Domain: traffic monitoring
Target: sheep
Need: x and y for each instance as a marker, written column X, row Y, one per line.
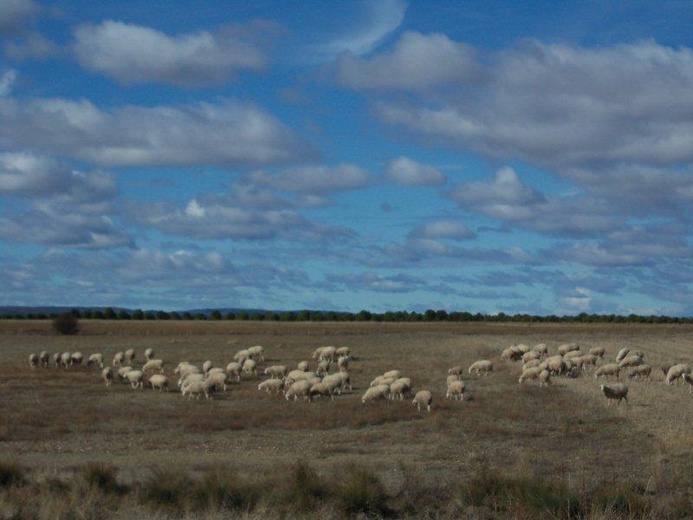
column 189, row 378
column 688, row 379
column 44, row 359
column 622, row 353
column 33, row 360
column 423, row 397
column 395, row 374
column 241, row 356
column 512, row 353
column 122, row 373
column 610, row 369
column 676, row 372
column 555, row 364
column 257, row 352
column 153, row 365
column 323, row 367
column 631, row 360
column 95, row 359
column 530, row 373
column 218, row 380
column 276, row 371
column 342, row 351
column 299, row 375
column 572, row 354
column 664, row 367
column 457, row 370
column 158, row 382
column 343, row 363
column 130, row 355
column 376, row 393
column 589, row 359
column 617, row 392
column 541, row 348
column 598, row 352
column 567, row 347
column 107, row 375
column 206, row 366
column 118, row 359
column 531, row 364
column 640, row 371
column 249, row 367
column 456, row 390
column 76, row 359
column 337, row 381
column 298, row 389
column 56, row 359
column 235, row 368
column 400, row 388
column 135, row 377
column 271, row 385
column 195, row 388
column 451, row 378
column 327, row 353
column 65, row 359
column 531, row 355
column 320, row 389
column 149, row 354
column 303, row 366
column 382, row 380
column 544, row 378
column 482, row 366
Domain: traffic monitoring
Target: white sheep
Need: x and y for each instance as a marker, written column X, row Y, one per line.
column 343, row 362
column 531, row 355
column 249, row 367
column 328, row 353
column 640, row 371
column 217, row 380
column 298, row 389
column 122, row 373
column 395, row 374
column 622, row 353
column 65, row 359
column 376, row 393
column 631, row 360
column 615, row 392
column 400, row 388
column 33, row 360
column 149, row 354
column 323, row 367
column 95, row 359
column 555, row 364
column 336, row 381
column 257, row 352
column 531, row 364
column 567, row 347
column 456, row 390
column 676, row 372
column 130, row 355
column 303, row 366
column 235, row 368
column 573, row 354
column 241, row 356
column 544, row 378
column 107, row 375
column 610, row 369
column 541, row 348
column 688, row 379
column 342, row 351
column 483, row 366
column 186, row 379
column 512, row 353
column 382, row 380
column 321, row 389
column 158, row 382
column 345, row 380
column 153, row 365
column 118, row 359
column 76, row 359
column 271, row 385
column 530, row 373
column 206, row 366
column 276, row 371
column 44, row 359
column 423, row 398
column 195, row 388
column 457, row 370
column 136, row 378
column 56, row 360
column 597, row 352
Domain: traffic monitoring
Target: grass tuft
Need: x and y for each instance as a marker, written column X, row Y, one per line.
column 11, row 474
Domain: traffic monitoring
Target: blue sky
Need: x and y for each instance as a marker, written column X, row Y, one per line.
column 482, row 156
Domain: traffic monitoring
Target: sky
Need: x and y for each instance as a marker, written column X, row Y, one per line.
column 484, row 156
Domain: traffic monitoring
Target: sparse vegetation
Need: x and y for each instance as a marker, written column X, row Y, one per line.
column 66, row 323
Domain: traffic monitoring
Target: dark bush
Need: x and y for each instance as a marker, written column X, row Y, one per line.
column 66, row 324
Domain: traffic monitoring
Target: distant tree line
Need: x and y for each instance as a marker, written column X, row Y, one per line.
column 362, row 316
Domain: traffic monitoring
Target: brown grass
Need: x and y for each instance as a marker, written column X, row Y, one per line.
column 509, row 450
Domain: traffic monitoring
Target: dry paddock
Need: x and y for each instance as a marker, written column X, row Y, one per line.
column 53, row 420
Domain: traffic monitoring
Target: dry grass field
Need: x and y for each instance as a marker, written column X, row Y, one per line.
column 71, row 447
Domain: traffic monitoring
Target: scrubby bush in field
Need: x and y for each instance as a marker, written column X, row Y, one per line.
column 10, row 474
column 66, row 324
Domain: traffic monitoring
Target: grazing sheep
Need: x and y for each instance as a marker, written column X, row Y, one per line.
column 65, row 359
column 343, row 362
column 186, row 379
column 544, row 378
column 95, row 359
column 342, row 351
column 299, row 375
column 457, row 370
column 512, row 353
column 303, row 366
column 376, row 393
column 676, row 372
column 241, row 356
column 118, row 359
column 382, row 380
column 207, row 366
column 640, row 371
column 249, row 367
column 153, row 365
column 336, row 382
column 149, row 354
column 423, row 398
column 617, row 392
column 271, row 385
column 664, row 367
column 610, row 369
column 530, row 373
column 325, row 353
column 589, row 359
column 456, row 390
column 122, row 373
column 573, row 354
column 136, row 378
column 567, row 347
column 234, row 369
column 158, row 382
column 542, row 349
column 298, row 389
column 323, row 367
column 257, row 352
column 33, row 360
column 688, row 379
column 400, row 388
column 482, row 366
column 531, row 364
column 130, row 355
column 76, row 359
column 217, row 380
column 531, row 355
column 631, row 360
column 44, row 359
column 276, row 371
column 320, row 389
column 345, row 381
column 621, row 354
column 195, row 388
column 107, row 375
column 598, row 352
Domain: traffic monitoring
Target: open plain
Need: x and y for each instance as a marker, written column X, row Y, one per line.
column 507, row 450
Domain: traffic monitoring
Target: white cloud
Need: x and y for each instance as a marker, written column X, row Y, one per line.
column 230, row 132
column 14, row 13
column 317, row 180
column 443, row 229
column 403, row 170
column 417, row 62
column 7, row 81
column 135, row 54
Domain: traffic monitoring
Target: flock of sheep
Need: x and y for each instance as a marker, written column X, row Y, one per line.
column 329, row 375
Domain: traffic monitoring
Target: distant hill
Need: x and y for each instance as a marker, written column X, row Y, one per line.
column 10, row 310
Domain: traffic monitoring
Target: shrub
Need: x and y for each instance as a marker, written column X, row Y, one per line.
column 103, row 477
column 66, row 324
column 361, row 492
column 10, row 475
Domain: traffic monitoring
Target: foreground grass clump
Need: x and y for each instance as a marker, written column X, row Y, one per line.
column 298, row 491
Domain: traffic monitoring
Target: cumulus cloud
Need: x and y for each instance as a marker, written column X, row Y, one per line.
column 443, row 229
column 134, row 54
column 408, row 172
column 563, row 106
column 7, row 80
column 417, row 62
column 65, row 207
column 230, row 132
column 13, row 15
column 318, row 180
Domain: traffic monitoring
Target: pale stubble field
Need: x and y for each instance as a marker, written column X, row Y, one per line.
column 54, row 423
